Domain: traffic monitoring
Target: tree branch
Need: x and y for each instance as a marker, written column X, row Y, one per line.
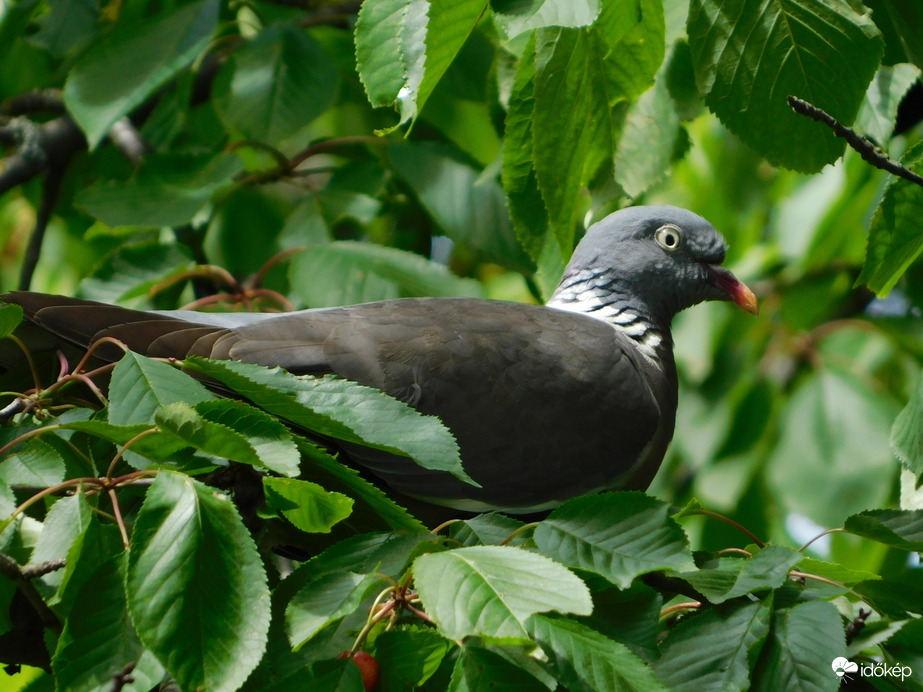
column 866, row 148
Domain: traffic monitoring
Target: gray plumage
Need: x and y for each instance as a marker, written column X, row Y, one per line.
column 546, row 402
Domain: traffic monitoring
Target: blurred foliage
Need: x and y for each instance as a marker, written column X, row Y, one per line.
column 301, row 154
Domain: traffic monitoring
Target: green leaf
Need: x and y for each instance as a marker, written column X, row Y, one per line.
column 386, row 509
column 648, row 141
column 486, row 529
column 10, row 317
column 141, row 385
column 834, row 571
column 629, row 616
column 907, row 433
column 877, row 116
column 901, row 21
column 518, row 17
column 197, row 592
column 322, row 676
column 715, row 649
column 894, row 239
column 384, row 31
column 413, row 656
column 616, row 535
column 833, row 439
column 750, row 56
column 65, row 522
column 403, row 47
column 232, row 430
column 133, row 268
column 805, row 640
column 34, row 464
column 579, row 76
column 69, row 24
column 322, row 601
column 119, row 73
column 168, row 190
column 899, row 528
column 342, row 410
column 590, row 661
column 895, row 600
column 468, row 207
column 98, row 641
column 97, row 543
column 479, row 669
column 492, row 590
column 725, row 578
column 307, row 505
column 348, row 272
column 264, row 91
column 527, row 209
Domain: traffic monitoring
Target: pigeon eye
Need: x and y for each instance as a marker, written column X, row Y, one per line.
column 668, row 237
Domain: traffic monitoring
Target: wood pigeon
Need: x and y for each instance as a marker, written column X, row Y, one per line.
column 546, row 401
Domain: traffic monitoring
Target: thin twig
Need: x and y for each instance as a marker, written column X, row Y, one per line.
column 866, row 148
column 730, row 522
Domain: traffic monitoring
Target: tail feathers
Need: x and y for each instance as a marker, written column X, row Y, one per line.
column 82, row 322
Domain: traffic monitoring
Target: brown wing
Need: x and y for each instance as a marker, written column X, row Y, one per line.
column 545, row 404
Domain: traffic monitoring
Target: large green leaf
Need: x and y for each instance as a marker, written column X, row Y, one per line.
column 616, row 535
column 141, row 385
column 580, row 75
column 805, row 641
column 907, row 433
column 468, row 207
column 232, row 430
column 590, row 661
column 492, row 590
column 325, row 600
column 404, row 47
column 98, row 642
column 10, row 317
column 413, row 654
column 715, row 649
column 35, row 463
column 729, row 577
column 168, row 190
column 894, row 237
column 477, row 669
column 899, row 528
column 348, row 272
column 750, row 55
column 197, row 592
column 120, row 72
column 275, row 84
column 517, row 17
column 877, row 116
column 65, row 522
column 342, row 410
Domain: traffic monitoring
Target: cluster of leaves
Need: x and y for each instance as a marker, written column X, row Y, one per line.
column 145, row 568
column 217, row 153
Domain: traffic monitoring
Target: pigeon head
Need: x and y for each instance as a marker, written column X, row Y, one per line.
column 653, row 261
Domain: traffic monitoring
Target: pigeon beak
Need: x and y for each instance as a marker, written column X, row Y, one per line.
column 736, row 289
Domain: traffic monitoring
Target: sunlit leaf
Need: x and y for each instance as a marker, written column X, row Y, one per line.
column 492, row 590
column 196, row 587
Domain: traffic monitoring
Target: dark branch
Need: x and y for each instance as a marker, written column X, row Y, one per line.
column 50, row 188
column 48, row 100
column 866, row 148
